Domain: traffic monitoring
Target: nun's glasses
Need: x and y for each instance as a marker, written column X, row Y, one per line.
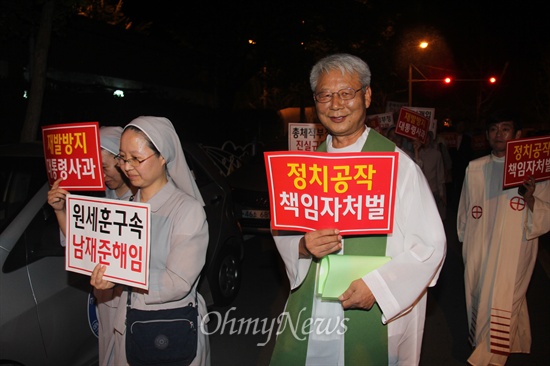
column 132, row 161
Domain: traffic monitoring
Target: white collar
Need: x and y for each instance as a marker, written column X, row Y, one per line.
column 355, row 147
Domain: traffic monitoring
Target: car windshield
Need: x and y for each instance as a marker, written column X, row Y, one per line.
column 20, row 179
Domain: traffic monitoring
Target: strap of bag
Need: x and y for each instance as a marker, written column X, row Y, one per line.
column 129, row 298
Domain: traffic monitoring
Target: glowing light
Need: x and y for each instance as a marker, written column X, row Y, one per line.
column 118, row 93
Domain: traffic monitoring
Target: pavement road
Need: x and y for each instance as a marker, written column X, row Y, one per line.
column 265, row 288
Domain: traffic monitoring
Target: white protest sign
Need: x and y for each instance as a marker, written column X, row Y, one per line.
column 305, row 136
column 110, row 232
column 385, row 120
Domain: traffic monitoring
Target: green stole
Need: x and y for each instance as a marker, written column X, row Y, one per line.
column 366, row 338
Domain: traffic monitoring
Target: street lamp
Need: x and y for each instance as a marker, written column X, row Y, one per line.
column 422, row 45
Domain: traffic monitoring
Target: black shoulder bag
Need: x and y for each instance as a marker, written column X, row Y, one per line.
column 161, row 337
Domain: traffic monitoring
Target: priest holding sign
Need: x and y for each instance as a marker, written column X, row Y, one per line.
column 379, row 317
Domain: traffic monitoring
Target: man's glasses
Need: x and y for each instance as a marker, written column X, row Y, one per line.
column 132, row 161
column 344, row 94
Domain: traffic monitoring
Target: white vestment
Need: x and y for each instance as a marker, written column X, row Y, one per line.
column 417, row 247
column 500, row 242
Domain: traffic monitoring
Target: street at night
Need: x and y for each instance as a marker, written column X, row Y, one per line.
column 445, row 342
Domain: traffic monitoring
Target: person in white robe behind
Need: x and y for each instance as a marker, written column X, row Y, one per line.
column 499, row 229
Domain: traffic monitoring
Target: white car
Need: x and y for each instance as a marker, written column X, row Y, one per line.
column 47, row 315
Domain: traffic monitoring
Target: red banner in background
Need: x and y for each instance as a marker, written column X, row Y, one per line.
column 72, row 152
column 353, row 192
column 526, row 157
column 412, row 125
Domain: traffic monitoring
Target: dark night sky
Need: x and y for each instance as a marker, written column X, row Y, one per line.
column 509, row 27
column 470, row 39
column 474, row 32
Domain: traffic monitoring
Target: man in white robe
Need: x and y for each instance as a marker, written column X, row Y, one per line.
column 499, row 229
column 417, row 244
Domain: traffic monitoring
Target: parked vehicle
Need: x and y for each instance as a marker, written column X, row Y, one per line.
column 221, row 278
column 250, row 193
column 43, row 308
column 48, row 314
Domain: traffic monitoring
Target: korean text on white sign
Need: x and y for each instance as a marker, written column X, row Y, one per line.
column 110, row 232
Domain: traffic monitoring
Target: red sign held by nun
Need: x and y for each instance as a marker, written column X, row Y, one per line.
column 72, row 152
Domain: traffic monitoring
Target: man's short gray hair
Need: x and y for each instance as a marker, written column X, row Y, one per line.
column 344, row 62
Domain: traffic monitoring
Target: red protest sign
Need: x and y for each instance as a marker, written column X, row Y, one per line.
column 353, row 192
column 526, row 157
column 72, row 152
column 412, row 125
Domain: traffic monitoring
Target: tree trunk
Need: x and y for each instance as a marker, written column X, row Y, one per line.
column 38, row 71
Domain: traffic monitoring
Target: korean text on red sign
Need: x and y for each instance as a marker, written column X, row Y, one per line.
column 526, row 157
column 412, row 125
column 72, row 152
column 353, row 192
column 110, row 232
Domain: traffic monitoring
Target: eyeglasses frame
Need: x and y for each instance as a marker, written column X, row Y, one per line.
column 121, row 161
column 338, row 92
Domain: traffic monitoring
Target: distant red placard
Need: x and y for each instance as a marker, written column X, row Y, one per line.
column 526, row 157
column 412, row 125
column 72, row 152
column 353, row 192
